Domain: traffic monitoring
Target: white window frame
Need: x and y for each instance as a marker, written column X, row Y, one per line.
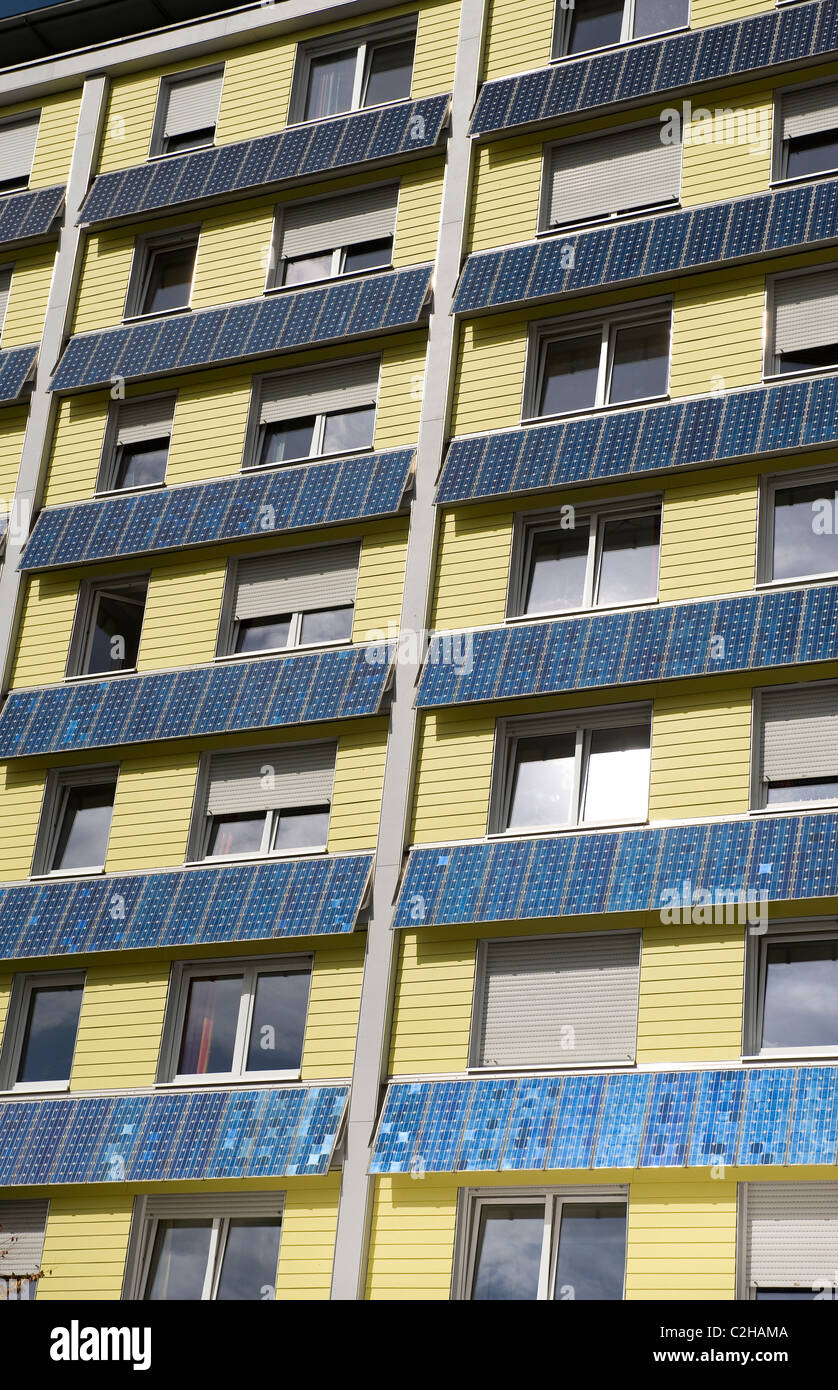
column 81, row 639
column 227, row 623
column 771, row 363
column 779, row 154
column 363, row 41
column 769, row 485
column 273, row 283
column 756, row 974
column 23, row 986
column 145, row 251
column 527, row 526
column 155, row 149
column 110, row 459
column 220, row 1209
column 545, row 228
column 56, row 790
column 471, row 1201
column 561, row 32
column 545, row 333
column 582, row 722
column 759, row 792
column 254, row 431
column 183, row 973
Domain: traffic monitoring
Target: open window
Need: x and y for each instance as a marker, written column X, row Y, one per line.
column 41, row 1031
column 796, row 745
column 18, row 138
column 803, row 322
column 108, row 626
column 612, row 175
column 291, row 599
column 224, row 1247
column 798, row 530
column 187, row 111
column 137, row 440
column 586, row 25
column 347, row 72
column 23, row 1225
column 808, row 132
column 792, row 991
column 268, row 801
column 591, row 364
column 161, row 276
column 76, row 821
column 789, row 1245
column 321, row 412
column 598, row 557
column 332, row 237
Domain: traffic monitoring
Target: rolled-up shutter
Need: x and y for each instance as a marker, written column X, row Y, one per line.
column 147, row 419
column 811, row 111
column 308, row 228
column 806, row 311
column 341, row 386
column 297, row 582
column 5, row 287
column 791, row 1234
column 559, row 1001
column 192, row 103
column 23, row 1225
column 800, row 734
column 271, row 779
column 613, row 173
column 233, row 1204
column 17, row 147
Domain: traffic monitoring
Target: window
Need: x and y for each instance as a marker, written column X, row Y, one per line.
column 109, row 621
column 41, row 1032
column 589, row 24
column 335, row 236
column 601, row 558
column 592, row 365
column 292, row 599
column 23, row 1227
column 137, row 442
column 610, row 175
column 76, row 821
column 327, row 410
column 556, row 1001
column 187, row 112
column 798, row 534
column 797, row 745
column 793, row 991
column 584, row 769
column 18, row 139
column 161, row 279
column 804, row 316
column 545, row 1246
column 224, row 1247
column 790, row 1239
column 808, row 122
column 5, row 290
column 360, row 71
column 267, row 801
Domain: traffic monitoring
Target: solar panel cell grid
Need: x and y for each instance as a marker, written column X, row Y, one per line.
column 29, row 214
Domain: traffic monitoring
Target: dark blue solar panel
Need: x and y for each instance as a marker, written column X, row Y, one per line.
column 16, row 366
column 260, row 1133
column 30, row 214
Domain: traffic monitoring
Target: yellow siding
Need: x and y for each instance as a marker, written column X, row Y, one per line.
column 681, row 1237
column 708, row 538
column 700, row 754
column 473, row 567
column 152, row 809
column 86, row 1243
column 21, row 793
column 520, row 36
column 120, row 1024
column 704, row 12
column 180, row 626
column 412, row 1238
column 77, row 443
column 306, row 1250
column 333, row 1009
column 730, row 156
column 690, row 1007
column 434, row 993
column 454, row 775
column 417, row 225
column 490, row 374
column 378, row 600
column 56, row 135
column 717, row 331
column 233, row 254
column 31, row 279
column 12, row 434
column 359, row 773
column 507, row 184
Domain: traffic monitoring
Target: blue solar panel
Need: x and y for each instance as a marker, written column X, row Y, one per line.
column 255, row 165
column 278, row 323
column 27, row 215
column 185, row 1135
column 657, row 65
column 626, row 871
column 16, row 367
column 671, row 242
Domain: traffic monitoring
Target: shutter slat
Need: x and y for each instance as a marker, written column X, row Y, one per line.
column 147, row 419
column 536, row 990
column 613, row 173
column 342, row 386
column 806, row 311
column 294, row 777
column 22, row 1229
column 5, row 287
column 800, row 734
column 811, row 111
column 309, row 228
column 17, row 147
column 297, row 583
column 792, row 1233
column 192, row 104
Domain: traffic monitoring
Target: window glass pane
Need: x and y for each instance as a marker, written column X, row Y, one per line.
column 628, row 564
column 251, row 1254
column 189, row 140
column 368, row 255
column 592, row 1251
column 179, row 1260
column 307, row 828
column 117, row 624
column 52, row 1021
column 594, row 24
column 240, row 833
column 801, row 995
column 142, row 465
column 169, row 281
column 641, row 362
column 279, row 1021
column 812, row 154
column 558, row 564
column 542, row 784
column 798, row 793
column 349, row 429
column 263, row 634
column 655, row 16
column 810, row 359
column 302, row 270
column 617, row 780
column 330, row 82
column 571, row 371
column 287, row 440
column 786, row 1295
column 508, row 1253
column 85, row 825
column 390, row 72
column 328, row 625
column 805, row 526
column 209, row 1026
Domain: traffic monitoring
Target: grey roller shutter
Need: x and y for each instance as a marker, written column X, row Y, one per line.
column 559, row 1001
column 218, row 1204
column 811, row 111
column 23, row 1226
column 297, row 582
column 800, row 734
column 5, row 287
column 791, row 1234
column 17, row 147
column 271, row 779
column 192, row 103
column 806, row 311
column 341, row 386
column 613, row 173
column 146, row 419
column 309, row 228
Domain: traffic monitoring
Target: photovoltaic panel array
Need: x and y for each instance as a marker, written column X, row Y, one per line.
column 270, row 693
column 673, row 242
column 658, row 438
column 655, row 66
column 254, row 165
column 787, row 857
column 278, row 323
column 252, row 505
column 16, row 366
column 27, row 215
column 744, row 1116
column 749, row 633
column 178, row 1136
column 183, row 907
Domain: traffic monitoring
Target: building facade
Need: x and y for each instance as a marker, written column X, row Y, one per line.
column 418, row 433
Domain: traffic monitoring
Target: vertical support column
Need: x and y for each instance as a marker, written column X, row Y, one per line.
column 371, row 1052
column 36, row 445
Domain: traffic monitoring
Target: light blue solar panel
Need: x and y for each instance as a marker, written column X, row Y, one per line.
column 24, row 216
column 766, row 1113
column 814, row 1119
column 575, row 1127
column 484, row 1137
column 668, row 1119
column 622, row 1120
column 531, row 1123
column 399, row 1127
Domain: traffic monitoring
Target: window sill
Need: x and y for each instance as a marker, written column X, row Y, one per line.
column 583, row 612
column 788, row 808
column 554, row 1069
column 302, row 462
column 797, row 581
column 271, row 290
column 586, row 827
column 99, row 676
column 106, row 492
column 803, row 178
column 790, row 1054
column 352, row 111
column 228, row 657
column 42, row 1088
column 189, row 1083
column 159, row 155
column 777, row 378
column 624, row 43
column 612, row 219
column 128, row 319
column 216, row 860
column 593, row 410
column 66, row 873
